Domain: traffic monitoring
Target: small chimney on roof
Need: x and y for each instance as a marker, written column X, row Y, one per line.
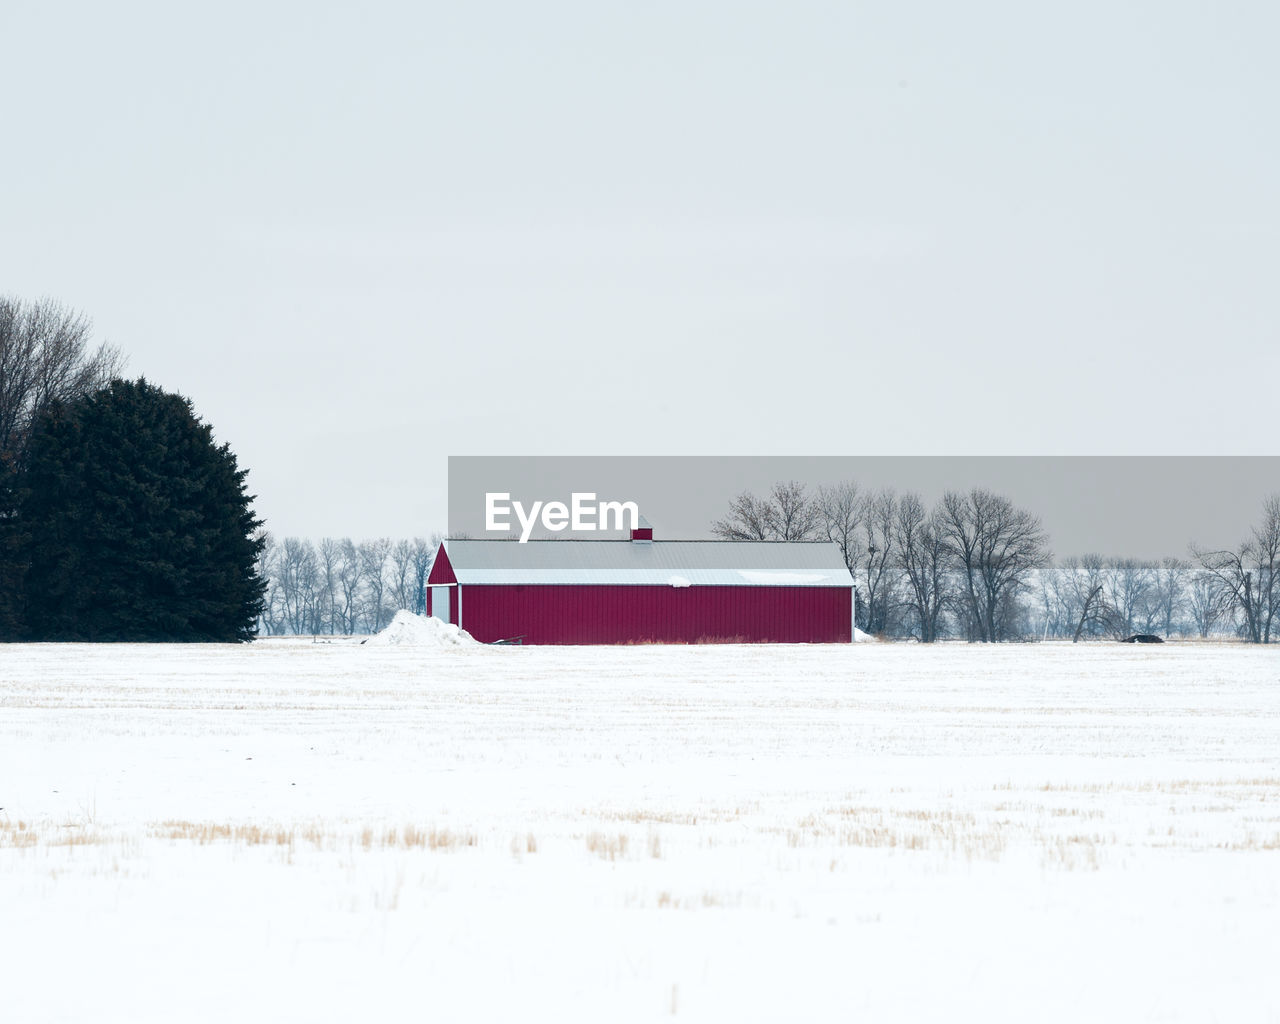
column 643, row 532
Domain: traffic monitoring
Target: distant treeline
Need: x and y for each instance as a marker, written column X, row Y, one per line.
column 974, row 566
column 337, row 586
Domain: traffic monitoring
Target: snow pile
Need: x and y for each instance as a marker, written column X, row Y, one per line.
column 859, row 637
column 409, row 630
column 679, row 582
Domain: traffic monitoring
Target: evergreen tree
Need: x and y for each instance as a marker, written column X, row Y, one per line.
column 136, row 524
column 10, row 554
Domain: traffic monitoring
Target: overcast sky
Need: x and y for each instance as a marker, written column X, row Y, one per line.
column 362, row 238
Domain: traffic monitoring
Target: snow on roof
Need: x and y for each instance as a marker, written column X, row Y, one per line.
column 692, row 562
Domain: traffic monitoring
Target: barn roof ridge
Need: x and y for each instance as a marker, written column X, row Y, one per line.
column 674, row 563
column 624, row 540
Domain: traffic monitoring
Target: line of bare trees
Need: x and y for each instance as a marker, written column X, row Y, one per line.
column 960, row 568
column 1231, row 591
column 1092, row 596
column 978, row 567
column 338, row 586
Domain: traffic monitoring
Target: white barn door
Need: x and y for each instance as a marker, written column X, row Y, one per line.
column 440, row 603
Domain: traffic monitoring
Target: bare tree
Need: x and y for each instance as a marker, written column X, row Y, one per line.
column 1247, row 575
column 786, row 514
column 879, row 558
column 329, row 562
column 1266, row 548
column 269, row 621
column 998, row 548
column 1065, row 590
column 410, row 565
column 749, row 518
column 373, row 556
column 424, row 553
column 401, row 584
column 923, row 560
column 1170, row 595
column 795, row 515
column 1231, row 572
column 1130, row 586
column 1053, row 601
column 295, row 574
column 1089, row 582
column 841, row 509
column 46, row 356
column 1208, row 602
column 350, row 576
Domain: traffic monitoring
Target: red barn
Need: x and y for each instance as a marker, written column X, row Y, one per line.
column 643, row 591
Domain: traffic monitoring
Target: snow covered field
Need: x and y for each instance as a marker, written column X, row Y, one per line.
column 336, row 832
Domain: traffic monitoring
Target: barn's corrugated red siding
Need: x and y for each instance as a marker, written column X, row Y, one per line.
column 644, row 614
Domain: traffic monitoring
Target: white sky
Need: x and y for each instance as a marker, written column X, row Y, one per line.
column 362, row 239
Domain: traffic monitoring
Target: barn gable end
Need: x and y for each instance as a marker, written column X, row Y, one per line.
column 441, row 570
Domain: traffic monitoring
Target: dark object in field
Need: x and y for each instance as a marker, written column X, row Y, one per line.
column 1142, row 638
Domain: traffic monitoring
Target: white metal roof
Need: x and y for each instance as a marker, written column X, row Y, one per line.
column 676, row 563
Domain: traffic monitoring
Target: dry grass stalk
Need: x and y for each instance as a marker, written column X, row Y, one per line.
column 408, row 837
column 17, row 835
column 607, row 847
